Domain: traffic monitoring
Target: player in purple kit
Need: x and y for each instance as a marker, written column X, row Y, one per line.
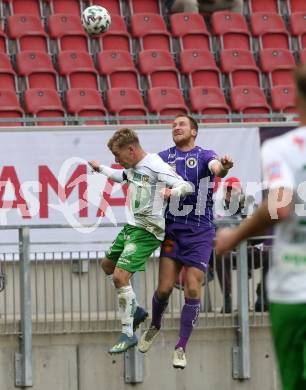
column 189, row 232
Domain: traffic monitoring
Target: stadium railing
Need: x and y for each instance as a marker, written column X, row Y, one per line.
column 151, row 119
column 69, row 291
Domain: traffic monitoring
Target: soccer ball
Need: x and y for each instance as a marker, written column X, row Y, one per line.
column 96, row 20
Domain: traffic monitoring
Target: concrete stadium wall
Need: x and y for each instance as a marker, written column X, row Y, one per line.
column 81, row 362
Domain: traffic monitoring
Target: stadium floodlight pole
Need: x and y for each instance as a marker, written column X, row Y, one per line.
column 23, row 360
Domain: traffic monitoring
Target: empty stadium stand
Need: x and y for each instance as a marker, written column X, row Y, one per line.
column 118, row 69
column 43, row 102
column 84, row 103
column 150, row 62
column 126, row 102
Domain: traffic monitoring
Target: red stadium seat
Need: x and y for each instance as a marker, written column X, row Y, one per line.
column 140, row 6
column 209, row 101
column 68, row 32
column 231, row 29
column 118, row 68
column 117, row 37
column 78, row 69
column 190, row 30
column 85, row 102
column 200, row 68
column 126, row 102
column 113, row 6
column 28, row 32
column 158, row 67
column 65, row 6
column 24, row 7
column 10, row 107
column 283, row 99
column 263, row 6
column 249, row 100
column 240, row 67
column 278, row 66
column 166, row 101
column 43, row 102
column 271, row 31
column 151, row 31
column 3, row 41
column 8, row 78
column 296, row 6
column 298, row 28
column 37, row 69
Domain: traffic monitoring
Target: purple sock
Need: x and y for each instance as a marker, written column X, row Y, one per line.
column 158, row 308
column 189, row 315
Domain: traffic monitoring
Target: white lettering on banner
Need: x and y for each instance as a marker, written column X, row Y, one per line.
column 44, row 177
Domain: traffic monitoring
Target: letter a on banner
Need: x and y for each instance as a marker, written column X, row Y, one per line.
column 9, row 175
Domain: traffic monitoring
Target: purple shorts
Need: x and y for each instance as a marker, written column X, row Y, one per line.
column 191, row 245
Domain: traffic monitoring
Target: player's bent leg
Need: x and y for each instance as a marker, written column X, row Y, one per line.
column 194, row 281
column 169, row 269
column 108, row 265
column 127, row 307
column 189, row 315
column 140, row 314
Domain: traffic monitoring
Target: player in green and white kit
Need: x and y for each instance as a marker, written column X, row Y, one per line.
column 150, row 181
column 284, row 167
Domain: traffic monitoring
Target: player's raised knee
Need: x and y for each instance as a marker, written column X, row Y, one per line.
column 107, row 265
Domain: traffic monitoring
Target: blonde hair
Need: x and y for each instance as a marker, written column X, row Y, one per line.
column 123, row 137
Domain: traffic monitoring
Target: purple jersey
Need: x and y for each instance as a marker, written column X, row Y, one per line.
column 192, row 166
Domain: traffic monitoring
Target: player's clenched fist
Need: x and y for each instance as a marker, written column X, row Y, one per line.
column 227, row 162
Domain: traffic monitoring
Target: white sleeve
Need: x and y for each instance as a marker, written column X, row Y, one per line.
column 116, row 175
column 179, row 186
column 182, row 188
column 276, row 170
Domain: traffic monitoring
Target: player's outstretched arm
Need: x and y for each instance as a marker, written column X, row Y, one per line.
column 113, row 174
column 276, row 208
column 221, row 166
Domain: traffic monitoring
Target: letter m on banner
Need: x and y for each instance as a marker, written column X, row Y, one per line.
column 77, row 179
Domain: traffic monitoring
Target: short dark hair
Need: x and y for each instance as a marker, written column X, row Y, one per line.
column 123, row 137
column 192, row 121
column 300, row 80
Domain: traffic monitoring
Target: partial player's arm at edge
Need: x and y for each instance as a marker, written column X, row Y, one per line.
column 277, row 207
column 116, row 175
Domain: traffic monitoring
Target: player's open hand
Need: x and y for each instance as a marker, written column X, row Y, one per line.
column 227, row 162
column 225, row 240
column 94, row 165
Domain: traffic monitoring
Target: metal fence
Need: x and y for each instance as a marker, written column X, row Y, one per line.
column 67, row 292
column 211, row 119
column 70, row 293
